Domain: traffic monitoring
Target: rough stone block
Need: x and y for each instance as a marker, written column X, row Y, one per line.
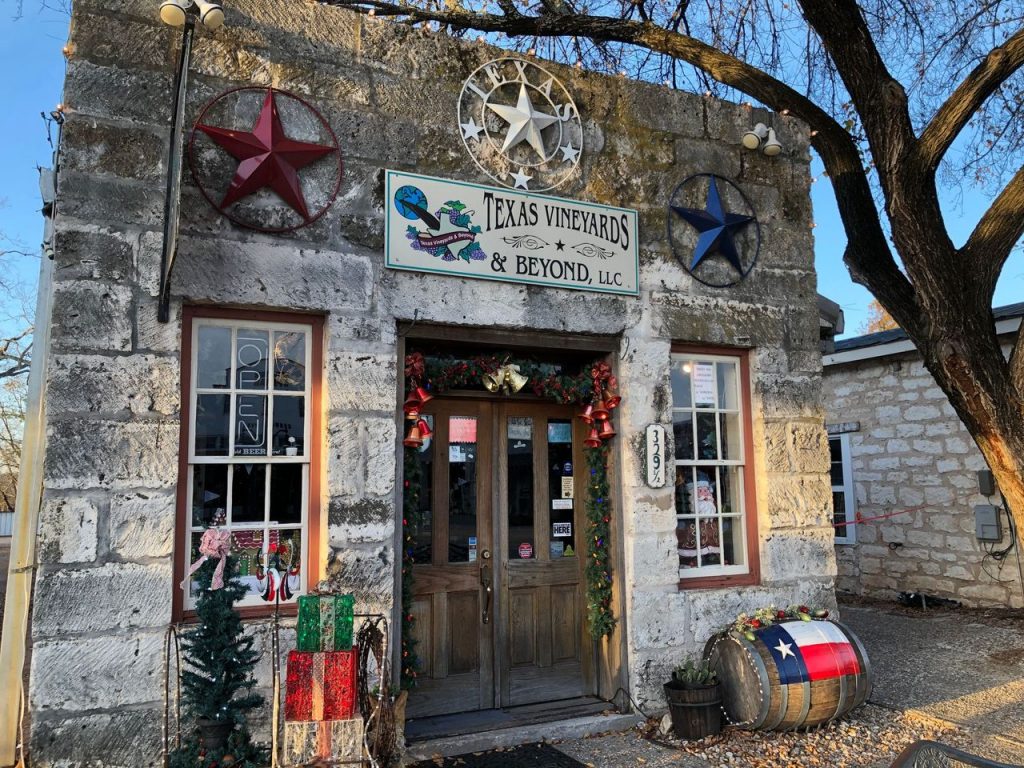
column 659, row 619
column 91, row 146
column 653, row 559
column 938, row 496
column 67, row 529
column 921, row 413
column 958, row 445
column 810, row 448
column 802, row 553
column 105, row 454
column 98, row 40
column 140, row 384
column 91, row 316
column 142, row 524
column 93, row 255
column 113, row 596
column 97, row 673
column 124, row 739
column 367, row 572
column 909, row 430
column 362, row 381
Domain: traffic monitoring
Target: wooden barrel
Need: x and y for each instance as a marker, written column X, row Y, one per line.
column 794, row 674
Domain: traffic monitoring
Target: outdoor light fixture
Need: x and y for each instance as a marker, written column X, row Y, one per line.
column 762, row 137
column 771, row 147
column 175, row 12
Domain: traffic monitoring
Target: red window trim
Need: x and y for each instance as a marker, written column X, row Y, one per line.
column 753, row 576
column 181, row 531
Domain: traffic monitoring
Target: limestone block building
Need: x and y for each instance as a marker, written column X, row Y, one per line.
column 903, row 461
column 272, row 401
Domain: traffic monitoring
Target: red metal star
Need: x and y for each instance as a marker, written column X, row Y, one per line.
column 267, row 158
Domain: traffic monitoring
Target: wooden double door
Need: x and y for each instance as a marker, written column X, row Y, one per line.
column 498, row 598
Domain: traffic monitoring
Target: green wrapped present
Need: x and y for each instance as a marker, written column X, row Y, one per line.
column 325, row 623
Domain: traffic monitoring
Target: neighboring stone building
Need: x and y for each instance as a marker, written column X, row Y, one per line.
column 902, row 456
column 133, row 471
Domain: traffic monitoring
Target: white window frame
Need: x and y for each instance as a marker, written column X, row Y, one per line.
column 297, row 585
column 846, row 488
column 710, row 571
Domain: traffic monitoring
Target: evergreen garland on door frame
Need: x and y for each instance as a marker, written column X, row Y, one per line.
column 440, row 375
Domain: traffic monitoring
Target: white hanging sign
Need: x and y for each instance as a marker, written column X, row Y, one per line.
column 656, row 456
column 488, row 233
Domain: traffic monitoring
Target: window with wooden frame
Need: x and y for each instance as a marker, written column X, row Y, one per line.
column 250, row 450
column 716, row 519
column 844, row 500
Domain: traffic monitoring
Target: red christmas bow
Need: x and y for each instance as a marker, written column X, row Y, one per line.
column 213, row 544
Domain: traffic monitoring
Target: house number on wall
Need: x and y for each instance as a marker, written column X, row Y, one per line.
column 656, row 456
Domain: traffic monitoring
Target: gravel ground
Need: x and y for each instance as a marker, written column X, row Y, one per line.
column 869, row 738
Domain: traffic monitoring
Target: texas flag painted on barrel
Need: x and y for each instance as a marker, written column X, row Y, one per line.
column 805, row 651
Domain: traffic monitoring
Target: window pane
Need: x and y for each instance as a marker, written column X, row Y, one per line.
column 462, row 536
column 250, row 425
column 209, row 494
column 707, row 436
column 285, row 493
column 704, row 494
column 290, row 361
column 684, row 491
column 704, row 385
column 734, row 546
column 213, row 358
column 520, row 488
column 682, row 434
column 835, row 449
column 251, row 347
column 289, row 426
column 212, row 425
column 729, row 429
column 728, row 396
column 699, row 542
column 247, row 548
column 423, row 533
column 839, row 513
column 730, row 489
column 560, row 489
column 248, row 493
column 681, row 384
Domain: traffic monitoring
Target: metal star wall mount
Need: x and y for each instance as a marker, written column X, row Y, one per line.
column 713, row 230
column 520, row 125
column 266, row 159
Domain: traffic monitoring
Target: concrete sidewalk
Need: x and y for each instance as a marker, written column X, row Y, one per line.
column 953, row 675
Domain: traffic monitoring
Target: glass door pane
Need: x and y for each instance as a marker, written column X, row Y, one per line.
column 560, row 489
column 462, row 501
column 520, row 488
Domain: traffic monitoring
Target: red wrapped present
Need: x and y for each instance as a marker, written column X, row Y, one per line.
column 320, row 686
column 306, row 742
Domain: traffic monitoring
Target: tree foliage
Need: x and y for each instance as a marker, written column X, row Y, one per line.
column 878, row 319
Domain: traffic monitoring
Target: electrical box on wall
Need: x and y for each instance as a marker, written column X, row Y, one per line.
column 986, row 482
column 986, row 523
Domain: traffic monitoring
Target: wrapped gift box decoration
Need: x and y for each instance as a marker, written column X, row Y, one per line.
column 325, row 623
column 327, row 739
column 320, row 686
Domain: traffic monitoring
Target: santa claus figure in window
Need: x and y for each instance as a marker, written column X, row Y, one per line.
column 279, row 579
column 700, row 536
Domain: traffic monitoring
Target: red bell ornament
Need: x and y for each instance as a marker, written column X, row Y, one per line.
column 587, row 414
column 425, row 430
column 593, row 439
column 600, row 411
column 411, row 404
column 415, row 438
column 607, row 430
column 423, row 396
column 612, row 399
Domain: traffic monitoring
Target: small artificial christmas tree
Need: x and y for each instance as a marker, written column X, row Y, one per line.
column 217, row 680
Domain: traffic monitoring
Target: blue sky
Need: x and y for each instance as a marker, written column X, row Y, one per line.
column 30, row 55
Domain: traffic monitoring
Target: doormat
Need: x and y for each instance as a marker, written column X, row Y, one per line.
column 525, row 756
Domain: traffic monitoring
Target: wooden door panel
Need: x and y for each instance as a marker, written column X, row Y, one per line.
column 464, row 645
column 423, row 633
column 522, row 627
column 565, row 623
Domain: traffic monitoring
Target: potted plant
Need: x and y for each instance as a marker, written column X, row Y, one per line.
column 693, row 699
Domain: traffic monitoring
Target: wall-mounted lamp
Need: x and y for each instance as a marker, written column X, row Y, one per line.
column 762, row 137
column 175, row 12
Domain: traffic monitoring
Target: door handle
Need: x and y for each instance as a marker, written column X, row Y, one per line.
column 485, row 582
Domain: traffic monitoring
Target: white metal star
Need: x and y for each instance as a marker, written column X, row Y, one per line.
column 786, row 649
column 471, row 130
column 522, row 179
column 524, row 122
column 569, row 152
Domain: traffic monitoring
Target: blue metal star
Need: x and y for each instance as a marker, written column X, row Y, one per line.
column 716, row 228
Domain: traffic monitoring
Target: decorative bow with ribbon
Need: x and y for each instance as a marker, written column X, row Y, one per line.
column 213, row 544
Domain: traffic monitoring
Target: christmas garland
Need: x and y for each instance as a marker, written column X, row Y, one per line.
column 746, row 623
column 443, row 374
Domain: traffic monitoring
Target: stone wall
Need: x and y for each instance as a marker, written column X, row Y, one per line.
column 103, row 592
column 912, row 452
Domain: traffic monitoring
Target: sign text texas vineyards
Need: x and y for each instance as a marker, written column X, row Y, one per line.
column 490, row 233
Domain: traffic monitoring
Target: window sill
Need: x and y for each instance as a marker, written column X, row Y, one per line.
column 717, row 582
column 250, row 613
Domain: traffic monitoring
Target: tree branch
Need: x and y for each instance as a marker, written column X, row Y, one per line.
column 954, row 114
column 998, row 230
